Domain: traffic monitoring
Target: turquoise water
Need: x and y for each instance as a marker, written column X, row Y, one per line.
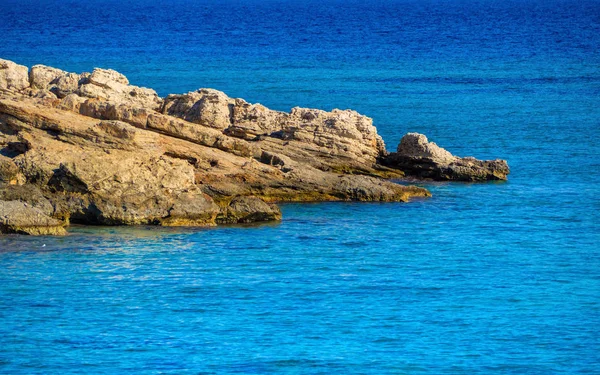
column 500, row 278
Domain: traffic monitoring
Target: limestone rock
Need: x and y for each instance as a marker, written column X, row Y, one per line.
column 68, row 83
column 109, row 110
column 107, row 84
column 345, row 136
column 192, row 209
column 281, row 161
column 29, row 194
column 12, row 76
column 9, row 172
column 91, row 148
column 418, row 157
column 19, row 217
column 417, row 146
column 40, row 76
column 250, row 121
column 109, row 79
column 249, row 209
column 198, row 134
column 206, row 107
column 71, row 102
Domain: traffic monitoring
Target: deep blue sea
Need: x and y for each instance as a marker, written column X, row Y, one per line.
column 498, row 278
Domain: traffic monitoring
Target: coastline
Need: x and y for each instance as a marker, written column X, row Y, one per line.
column 92, row 149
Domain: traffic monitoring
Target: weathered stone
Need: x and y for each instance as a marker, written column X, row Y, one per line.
column 29, row 194
column 415, row 145
column 108, row 110
column 283, row 162
column 109, row 79
column 9, row 172
column 252, row 120
column 107, row 84
column 67, row 84
column 192, row 209
column 206, row 107
column 18, row 217
column 40, row 76
column 12, row 76
column 250, row 209
column 107, row 152
column 418, row 157
column 71, row 102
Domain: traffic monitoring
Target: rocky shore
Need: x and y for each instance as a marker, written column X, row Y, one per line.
column 90, row 148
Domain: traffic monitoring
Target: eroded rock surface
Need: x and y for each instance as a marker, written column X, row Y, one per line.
column 418, row 157
column 20, row 218
column 13, row 77
column 92, row 148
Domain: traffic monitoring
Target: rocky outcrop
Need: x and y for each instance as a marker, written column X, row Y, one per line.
column 418, row 157
column 12, row 76
column 92, row 148
column 19, row 218
column 41, row 77
column 249, row 209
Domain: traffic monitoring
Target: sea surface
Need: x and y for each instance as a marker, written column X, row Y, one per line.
column 497, row 278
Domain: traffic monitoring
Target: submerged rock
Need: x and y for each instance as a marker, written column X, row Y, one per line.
column 418, row 157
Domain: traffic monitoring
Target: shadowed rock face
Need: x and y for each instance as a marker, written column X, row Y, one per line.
column 91, row 148
column 418, row 157
column 20, row 218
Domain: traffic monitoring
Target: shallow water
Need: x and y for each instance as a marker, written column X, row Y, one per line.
column 481, row 278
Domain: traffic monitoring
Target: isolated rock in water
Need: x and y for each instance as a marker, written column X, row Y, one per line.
column 18, row 217
column 13, row 76
column 415, row 145
column 418, row 157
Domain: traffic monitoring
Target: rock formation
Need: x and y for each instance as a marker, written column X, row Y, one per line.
column 420, row 158
column 91, row 148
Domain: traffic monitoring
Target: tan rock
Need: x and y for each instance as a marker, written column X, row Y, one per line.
column 68, row 84
column 108, row 153
column 192, row 209
column 71, row 102
column 248, row 209
column 109, row 79
column 107, row 84
column 12, row 76
column 110, row 110
column 29, row 194
column 9, row 172
column 41, row 76
column 418, row 157
column 417, row 146
column 207, row 107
